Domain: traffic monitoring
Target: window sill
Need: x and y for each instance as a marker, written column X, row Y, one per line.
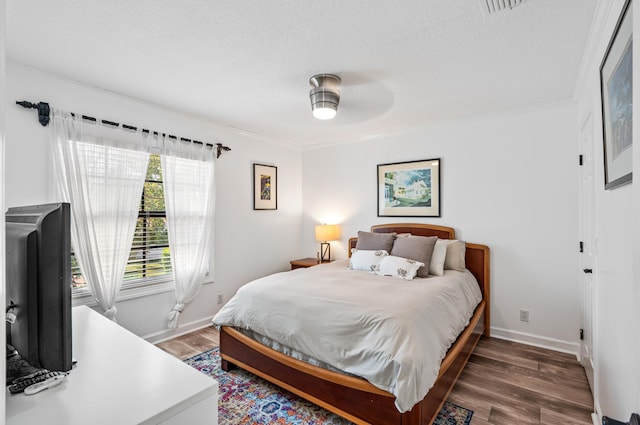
column 84, row 296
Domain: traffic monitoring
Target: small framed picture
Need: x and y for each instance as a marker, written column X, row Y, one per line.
column 616, row 83
column 409, row 189
column 265, row 187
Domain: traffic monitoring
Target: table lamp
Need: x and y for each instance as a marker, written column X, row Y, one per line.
column 324, row 234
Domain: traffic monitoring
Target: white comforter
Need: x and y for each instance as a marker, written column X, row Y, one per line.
column 392, row 332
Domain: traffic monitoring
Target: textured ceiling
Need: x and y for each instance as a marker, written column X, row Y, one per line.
column 246, row 64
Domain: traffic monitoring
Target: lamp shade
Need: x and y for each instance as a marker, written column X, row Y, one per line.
column 327, row 232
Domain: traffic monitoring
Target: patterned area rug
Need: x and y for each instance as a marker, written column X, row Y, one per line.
column 247, row 399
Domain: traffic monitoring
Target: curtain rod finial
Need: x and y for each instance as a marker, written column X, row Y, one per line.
column 42, row 107
column 25, row 104
column 219, row 148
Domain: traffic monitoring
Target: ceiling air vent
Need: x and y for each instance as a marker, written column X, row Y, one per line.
column 494, row 6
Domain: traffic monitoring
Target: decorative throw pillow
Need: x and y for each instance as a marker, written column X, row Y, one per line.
column 403, row 268
column 375, row 241
column 455, row 256
column 436, row 266
column 365, row 260
column 418, row 248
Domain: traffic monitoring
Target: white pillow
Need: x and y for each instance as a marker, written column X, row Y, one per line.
column 436, row 265
column 403, row 268
column 365, row 260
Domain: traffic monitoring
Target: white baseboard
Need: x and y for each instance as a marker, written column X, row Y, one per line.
column 536, row 340
column 596, row 416
column 185, row 328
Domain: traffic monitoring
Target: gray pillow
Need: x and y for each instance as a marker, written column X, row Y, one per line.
column 375, row 241
column 417, row 248
column 455, row 256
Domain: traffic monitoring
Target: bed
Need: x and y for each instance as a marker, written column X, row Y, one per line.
column 349, row 395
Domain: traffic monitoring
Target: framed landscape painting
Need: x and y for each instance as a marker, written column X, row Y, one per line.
column 265, row 187
column 409, row 189
column 616, row 83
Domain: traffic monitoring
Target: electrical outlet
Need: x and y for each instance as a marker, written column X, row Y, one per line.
column 220, row 299
column 524, row 315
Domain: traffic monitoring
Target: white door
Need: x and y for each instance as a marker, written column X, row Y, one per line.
column 587, row 245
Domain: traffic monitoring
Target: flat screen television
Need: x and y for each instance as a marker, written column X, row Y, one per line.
column 38, row 282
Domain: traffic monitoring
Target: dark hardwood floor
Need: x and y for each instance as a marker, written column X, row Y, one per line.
column 504, row 382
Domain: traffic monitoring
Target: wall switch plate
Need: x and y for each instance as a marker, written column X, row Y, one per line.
column 220, row 299
column 524, row 315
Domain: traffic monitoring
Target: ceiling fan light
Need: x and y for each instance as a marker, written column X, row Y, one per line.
column 324, row 96
column 324, row 113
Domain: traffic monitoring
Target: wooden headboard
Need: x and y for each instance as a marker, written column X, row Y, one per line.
column 476, row 256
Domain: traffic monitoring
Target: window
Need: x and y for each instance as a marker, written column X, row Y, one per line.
column 149, row 259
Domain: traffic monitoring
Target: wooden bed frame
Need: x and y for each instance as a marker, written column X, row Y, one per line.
column 354, row 398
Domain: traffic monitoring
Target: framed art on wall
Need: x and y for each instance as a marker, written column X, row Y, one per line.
column 265, row 187
column 409, row 189
column 616, row 83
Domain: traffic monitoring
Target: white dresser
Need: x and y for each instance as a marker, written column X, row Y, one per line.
column 119, row 379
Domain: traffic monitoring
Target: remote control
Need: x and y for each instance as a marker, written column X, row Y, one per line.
column 49, row 383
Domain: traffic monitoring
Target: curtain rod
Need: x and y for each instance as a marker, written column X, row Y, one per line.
column 44, row 111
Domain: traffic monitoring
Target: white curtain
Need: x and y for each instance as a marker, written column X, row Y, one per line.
column 189, row 192
column 101, row 172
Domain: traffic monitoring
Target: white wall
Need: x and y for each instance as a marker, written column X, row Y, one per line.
column 507, row 181
column 632, row 401
column 248, row 243
column 617, row 257
column 632, row 386
column 2, row 239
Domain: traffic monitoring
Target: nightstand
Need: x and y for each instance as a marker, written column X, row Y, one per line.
column 304, row 263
